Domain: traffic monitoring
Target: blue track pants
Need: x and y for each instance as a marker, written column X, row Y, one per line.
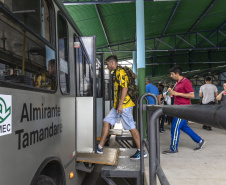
column 175, row 132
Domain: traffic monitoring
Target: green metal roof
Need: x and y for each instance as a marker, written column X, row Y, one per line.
column 175, row 31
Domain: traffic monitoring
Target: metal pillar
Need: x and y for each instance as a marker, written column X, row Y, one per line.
column 140, row 31
column 140, row 45
column 135, row 63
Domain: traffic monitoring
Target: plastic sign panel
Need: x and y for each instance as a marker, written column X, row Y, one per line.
column 76, row 44
column 5, row 114
column 63, row 66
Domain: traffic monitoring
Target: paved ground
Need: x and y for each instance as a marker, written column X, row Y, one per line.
column 205, row 167
column 187, row 167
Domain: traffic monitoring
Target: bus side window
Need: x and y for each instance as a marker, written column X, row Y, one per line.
column 24, row 56
column 47, row 78
column 36, row 14
column 63, row 53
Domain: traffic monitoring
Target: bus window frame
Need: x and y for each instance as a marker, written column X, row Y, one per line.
column 52, row 25
column 23, row 26
column 68, row 61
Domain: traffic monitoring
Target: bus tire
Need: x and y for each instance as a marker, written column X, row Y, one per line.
column 44, row 180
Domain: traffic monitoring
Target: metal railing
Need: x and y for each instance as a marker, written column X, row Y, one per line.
column 210, row 115
column 154, row 147
column 139, row 118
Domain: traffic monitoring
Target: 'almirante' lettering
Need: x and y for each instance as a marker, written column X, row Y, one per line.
column 26, row 139
column 36, row 113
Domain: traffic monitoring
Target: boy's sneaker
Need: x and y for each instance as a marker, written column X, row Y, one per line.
column 200, row 145
column 99, row 151
column 169, row 151
column 137, row 155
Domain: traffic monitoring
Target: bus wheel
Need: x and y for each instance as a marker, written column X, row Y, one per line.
column 44, row 180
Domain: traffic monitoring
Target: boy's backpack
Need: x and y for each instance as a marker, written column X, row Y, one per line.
column 132, row 87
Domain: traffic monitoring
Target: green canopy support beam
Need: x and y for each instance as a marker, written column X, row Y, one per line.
column 135, row 62
column 141, row 51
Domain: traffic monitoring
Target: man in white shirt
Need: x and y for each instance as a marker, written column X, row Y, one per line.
column 208, row 92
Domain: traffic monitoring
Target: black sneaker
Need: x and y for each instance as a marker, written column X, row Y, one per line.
column 200, row 145
column 136, row 156
column 209, row 128
column 169, row 151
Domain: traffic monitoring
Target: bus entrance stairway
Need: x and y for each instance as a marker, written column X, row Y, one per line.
column 85, row 161
column 117, row 166
column 116, row 132
column 122, row 137
column 125, row 140
column 128, row 170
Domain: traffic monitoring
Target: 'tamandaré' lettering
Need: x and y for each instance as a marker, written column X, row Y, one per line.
column 26, row 139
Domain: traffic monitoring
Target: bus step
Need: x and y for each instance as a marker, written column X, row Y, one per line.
column 109, row 157
column 117, row 132
column 85, row 167
column 125, row 140
column 126, row 168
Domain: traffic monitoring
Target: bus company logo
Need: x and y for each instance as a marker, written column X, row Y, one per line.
column 5, row 114
column 4, row 111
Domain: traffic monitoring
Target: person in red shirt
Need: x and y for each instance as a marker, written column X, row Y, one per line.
column 182, row 92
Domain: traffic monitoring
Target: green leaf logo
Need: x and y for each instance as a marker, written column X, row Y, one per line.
column 4, row 111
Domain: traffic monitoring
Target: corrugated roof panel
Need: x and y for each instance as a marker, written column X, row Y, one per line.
column 166, row 43
column 88, row 22
column 217, row 56
column 119, row 21
column 215, row 17
column 189, row 11
column 82, row 13
column 204, row 41
column 222, row 38
column 181, row 58
column 156, row 17
column 128, row 46
column 150, row 43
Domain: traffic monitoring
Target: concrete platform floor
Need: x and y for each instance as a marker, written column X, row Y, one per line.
column 187, row 167
column 205, row 167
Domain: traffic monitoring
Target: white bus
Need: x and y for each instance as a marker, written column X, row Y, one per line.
column 47, row 96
